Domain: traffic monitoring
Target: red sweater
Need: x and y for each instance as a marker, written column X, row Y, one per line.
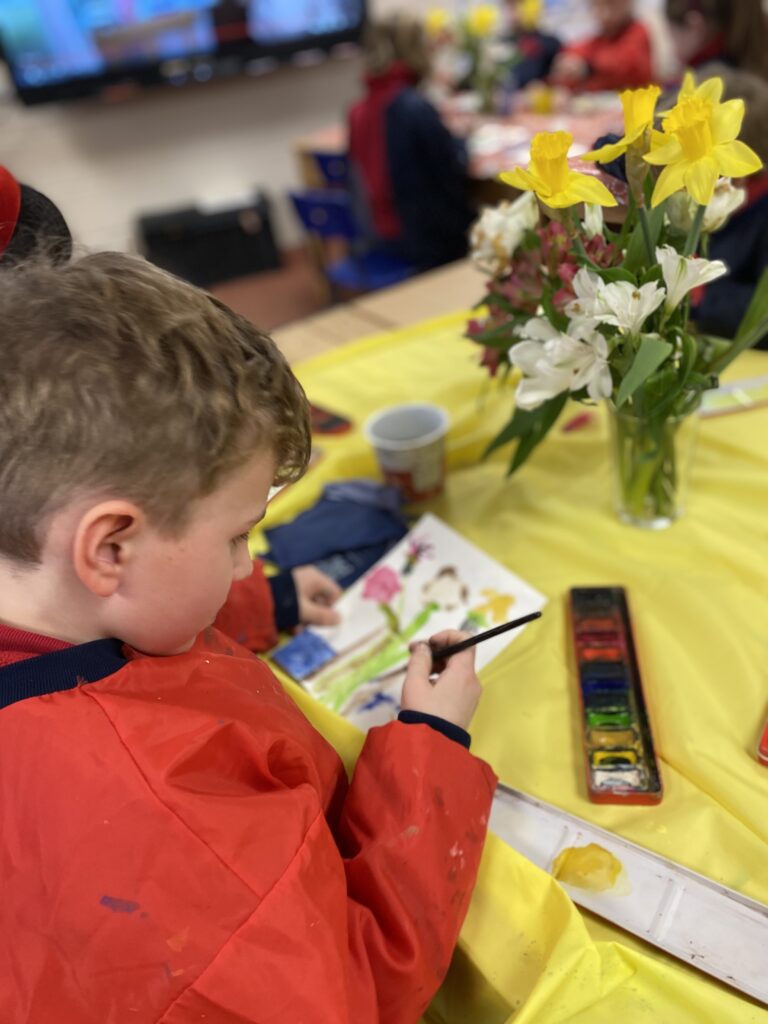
column 179, row 844
column 617, row 62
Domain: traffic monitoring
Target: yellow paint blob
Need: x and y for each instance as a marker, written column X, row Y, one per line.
column 587, row 867
column 607, row 738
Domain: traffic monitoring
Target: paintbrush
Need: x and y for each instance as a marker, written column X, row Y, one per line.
column 440, row 654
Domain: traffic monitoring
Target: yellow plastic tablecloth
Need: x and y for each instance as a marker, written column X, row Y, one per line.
column 699, row 596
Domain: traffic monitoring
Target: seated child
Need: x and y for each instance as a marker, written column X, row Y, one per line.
column 619, row 57
column 410, row 169
column 178, row 843
column 535, row 49
column 729, row 33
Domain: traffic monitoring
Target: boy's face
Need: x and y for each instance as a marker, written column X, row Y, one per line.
column 177, row 585
column 612, row 15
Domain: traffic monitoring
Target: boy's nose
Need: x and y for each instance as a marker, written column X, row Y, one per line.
column 243, row 563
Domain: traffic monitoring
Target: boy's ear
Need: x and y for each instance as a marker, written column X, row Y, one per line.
column 103, row 544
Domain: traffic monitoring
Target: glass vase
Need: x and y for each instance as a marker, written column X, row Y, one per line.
column 652, row 459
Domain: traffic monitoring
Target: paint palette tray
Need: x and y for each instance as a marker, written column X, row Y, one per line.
column 707, row 925
column 621, row 763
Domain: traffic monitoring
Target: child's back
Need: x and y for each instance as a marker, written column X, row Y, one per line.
column 178, row 842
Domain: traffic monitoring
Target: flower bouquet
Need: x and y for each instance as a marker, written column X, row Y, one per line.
column 467, row 46
column 586, row 311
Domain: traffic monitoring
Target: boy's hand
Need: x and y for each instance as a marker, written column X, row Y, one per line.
column 316, row 593
column 454, row 694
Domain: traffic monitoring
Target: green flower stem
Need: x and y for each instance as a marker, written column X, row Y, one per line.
column 393, row 653
column 643, row 214
column 647, row 467
column 692, row 241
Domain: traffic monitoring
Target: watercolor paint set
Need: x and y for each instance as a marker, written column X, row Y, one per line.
column 618, row 746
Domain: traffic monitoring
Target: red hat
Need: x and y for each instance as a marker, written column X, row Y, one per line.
column 10, row 205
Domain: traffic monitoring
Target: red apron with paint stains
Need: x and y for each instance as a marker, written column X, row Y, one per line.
column 180, row 845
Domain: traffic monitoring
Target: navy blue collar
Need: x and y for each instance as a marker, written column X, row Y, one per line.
column 62, row 670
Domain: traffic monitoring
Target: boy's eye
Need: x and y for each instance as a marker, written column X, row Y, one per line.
column 240, row 539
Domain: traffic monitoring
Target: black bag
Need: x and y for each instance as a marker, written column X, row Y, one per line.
column 206, row 248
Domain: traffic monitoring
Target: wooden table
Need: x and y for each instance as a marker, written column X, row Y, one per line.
column 445, row 290
column 327, row 330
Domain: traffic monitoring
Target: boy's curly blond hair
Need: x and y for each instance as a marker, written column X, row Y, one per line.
column 117, row 378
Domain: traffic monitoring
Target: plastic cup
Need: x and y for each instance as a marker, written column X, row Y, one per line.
column 409, row 441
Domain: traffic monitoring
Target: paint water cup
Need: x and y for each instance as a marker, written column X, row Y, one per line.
column 409, row 441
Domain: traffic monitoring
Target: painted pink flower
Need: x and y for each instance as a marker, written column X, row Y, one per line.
column 382, row 585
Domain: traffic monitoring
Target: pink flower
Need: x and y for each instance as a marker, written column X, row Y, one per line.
column 382, row 585
column 491, row 359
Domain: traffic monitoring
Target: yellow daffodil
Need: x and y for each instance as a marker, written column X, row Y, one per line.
column 437, row 21
column 700, row 143
column 529, row 13
column 639, row 110
column 481, row 20
column 550, row 177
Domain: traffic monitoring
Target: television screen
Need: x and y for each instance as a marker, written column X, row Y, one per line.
column 60, row 48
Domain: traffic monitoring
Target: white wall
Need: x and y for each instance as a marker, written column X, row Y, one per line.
column 104, row 163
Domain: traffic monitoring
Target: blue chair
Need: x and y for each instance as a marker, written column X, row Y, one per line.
column 333, row 168
column 327, row 216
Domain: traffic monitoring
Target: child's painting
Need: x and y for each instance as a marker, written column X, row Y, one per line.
column 432, row 580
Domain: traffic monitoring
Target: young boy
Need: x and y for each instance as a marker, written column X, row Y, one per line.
column 178, row 844
column 32, row 225
column 618, row 57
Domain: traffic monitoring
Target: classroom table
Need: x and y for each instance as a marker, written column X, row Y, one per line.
column 699, row 594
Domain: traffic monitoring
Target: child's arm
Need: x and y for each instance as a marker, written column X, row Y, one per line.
column 249, row 613
column 259, row 607
column 623, row 63
column 412, row 833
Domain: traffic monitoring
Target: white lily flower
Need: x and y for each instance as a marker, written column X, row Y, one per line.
column 538, row 328
column 588, row 305
column 683, row 273
column 681, row 209
column 593, row 220
column 629, row 306
column 499, row 231
column 562, row 363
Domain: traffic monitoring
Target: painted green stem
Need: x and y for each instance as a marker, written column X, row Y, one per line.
column 394, row 652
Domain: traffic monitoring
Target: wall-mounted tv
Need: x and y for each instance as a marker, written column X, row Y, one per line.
column 64, row 49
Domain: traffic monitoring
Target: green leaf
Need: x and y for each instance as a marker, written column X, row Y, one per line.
column 548, row 414
column 614, row 274
column 660, row 391
column 502, row 302
column 688, row 357
column 558, row 320
column 753, row 327
column 516, row 427
column 530, row 426
column 650, row 355
column 637, row 256
column 494, row 333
